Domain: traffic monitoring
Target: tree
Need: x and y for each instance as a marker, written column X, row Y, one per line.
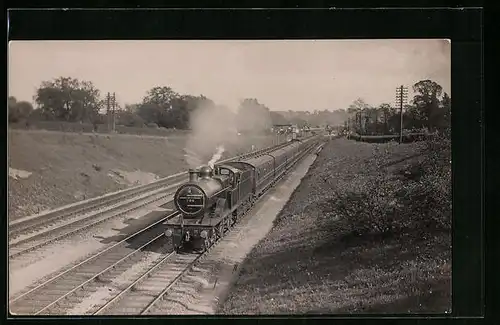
column 12, row 111
column 277, row 118
column 160, row 96
column 446, row 108
column 253, row 116
column 132, row 108
column 155, row 105
column 24, row 108
column 68, row 99
column 385, row 111
column 150, row 113
column 18, row 110
column 426, row 101
column 12, row 101
column 355, row 111
column 165, row 107
column 129, row 119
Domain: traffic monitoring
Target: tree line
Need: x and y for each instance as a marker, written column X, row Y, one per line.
column 73, row 100
column 429, row 110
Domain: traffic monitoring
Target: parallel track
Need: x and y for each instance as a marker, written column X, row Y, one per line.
column 77, row 225
column 49, row 296
column 30, row 234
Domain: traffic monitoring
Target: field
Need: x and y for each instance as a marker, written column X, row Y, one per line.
column 367, row 231
column 48, row 169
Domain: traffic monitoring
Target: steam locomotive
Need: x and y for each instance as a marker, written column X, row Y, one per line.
column 213, row 199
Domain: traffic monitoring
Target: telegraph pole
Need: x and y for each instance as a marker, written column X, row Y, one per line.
column 114, row 108
column 108, row 105
column 401, row 99
column 110, row 111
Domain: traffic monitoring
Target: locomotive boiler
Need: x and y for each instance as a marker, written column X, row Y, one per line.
column 200, row 194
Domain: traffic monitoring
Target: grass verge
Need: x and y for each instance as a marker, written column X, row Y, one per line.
column 368, row 230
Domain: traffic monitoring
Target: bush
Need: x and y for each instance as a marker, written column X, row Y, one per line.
column 407, row 138
column 152, row 125
column 415, row 197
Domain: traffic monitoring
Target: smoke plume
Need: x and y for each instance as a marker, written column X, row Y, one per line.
column 212, row 130
column 216, row 157
column 218, row 132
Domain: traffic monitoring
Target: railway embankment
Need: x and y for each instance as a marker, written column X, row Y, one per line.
column 367, row 230
column 49, row 169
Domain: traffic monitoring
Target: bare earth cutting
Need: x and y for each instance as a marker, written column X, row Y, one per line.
column 367, row 230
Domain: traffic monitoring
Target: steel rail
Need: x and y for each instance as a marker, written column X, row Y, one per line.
column 133, row 284
column 93, row 257
column 13, row 252
column 160, row 296
column 97, row 275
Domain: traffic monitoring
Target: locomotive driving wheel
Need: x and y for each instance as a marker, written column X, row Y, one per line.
column 208, row 241
column 220, row 230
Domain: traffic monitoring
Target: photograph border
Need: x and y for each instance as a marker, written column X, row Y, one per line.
column 462, row 26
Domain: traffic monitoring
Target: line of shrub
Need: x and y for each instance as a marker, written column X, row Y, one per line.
column 61, row 126
column 407, row 138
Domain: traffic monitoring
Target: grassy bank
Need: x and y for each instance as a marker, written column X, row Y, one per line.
column 48, row 169
column 368, row 230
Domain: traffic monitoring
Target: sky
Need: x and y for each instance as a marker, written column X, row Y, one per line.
column 284, row 75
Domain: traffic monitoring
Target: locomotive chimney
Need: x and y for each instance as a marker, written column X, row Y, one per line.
column 193, row 175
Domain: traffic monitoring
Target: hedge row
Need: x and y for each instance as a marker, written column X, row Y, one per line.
column 411, row 137
column 89, row 128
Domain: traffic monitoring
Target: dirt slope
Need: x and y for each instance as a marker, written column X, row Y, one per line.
column 48, row 169
column 311, row 263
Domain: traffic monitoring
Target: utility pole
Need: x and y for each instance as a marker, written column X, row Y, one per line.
column 108, row 105
column 114, row 109
column 111, row 111
column 401, row 99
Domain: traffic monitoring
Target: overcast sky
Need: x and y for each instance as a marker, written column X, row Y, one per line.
column 296, row 75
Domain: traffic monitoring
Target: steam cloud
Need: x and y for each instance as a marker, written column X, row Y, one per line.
column 217, row 155
column 215, row 132
column 212, row 128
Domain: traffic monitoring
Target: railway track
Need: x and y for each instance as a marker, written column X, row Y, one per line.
column 76, row 224
column 64, row 290
column 31, row 233
column 142, row 294
column 147, row 294
column 97, row 275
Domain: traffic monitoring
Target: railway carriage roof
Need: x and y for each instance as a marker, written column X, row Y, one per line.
column 257, row 161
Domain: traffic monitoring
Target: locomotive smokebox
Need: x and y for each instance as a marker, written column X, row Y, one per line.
column 193, row 175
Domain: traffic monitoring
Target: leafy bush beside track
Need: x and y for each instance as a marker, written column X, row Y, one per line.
column 407, row 138
column 417, row 196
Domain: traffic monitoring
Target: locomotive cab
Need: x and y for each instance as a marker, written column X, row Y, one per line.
column 229, row 173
